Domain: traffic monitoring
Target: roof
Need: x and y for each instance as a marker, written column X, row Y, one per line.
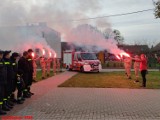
column 156, row 48
column 135, row 48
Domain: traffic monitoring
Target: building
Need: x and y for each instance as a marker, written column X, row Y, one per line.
column 20, row 38
column 135, row 49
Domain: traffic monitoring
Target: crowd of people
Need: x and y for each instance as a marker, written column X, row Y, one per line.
column 140, row 63
column 15, row 73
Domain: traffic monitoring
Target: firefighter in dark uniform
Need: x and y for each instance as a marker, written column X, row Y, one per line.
column 20, row 86
column 3, row 82
column 9, row 87
column 30, row 76
column 14, row 59
column 24, row 67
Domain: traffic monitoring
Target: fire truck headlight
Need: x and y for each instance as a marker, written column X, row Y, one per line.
column 86, row 63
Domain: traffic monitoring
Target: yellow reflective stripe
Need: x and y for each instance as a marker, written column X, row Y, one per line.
column 6, row 63
column 1, row 103
column 18, row 75
column 29, row 59
column 19, row 98
column 18, row 82
column 1, row 63
column 4, row 99
column 25, row 90
column 13, row 63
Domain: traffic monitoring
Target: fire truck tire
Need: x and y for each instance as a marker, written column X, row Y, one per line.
column 82, row 69
column 69, row 69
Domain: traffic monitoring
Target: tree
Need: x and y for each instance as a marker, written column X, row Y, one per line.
column 157, row 9
column 113, row 34
column 118, row 37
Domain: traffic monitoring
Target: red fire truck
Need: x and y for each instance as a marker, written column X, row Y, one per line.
column 81, row 61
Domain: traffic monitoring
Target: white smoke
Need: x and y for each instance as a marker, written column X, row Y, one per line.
column 59, row 15
column 89, row 36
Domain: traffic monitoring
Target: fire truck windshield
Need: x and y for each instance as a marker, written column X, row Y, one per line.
column 88, row 56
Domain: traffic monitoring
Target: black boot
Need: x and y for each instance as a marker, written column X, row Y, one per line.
column 31, row 93
column 12, row 99
column 8, row 105
column 23, row 99
column 20, row 102
column 9, row 102
column 25, row 95
column 5, row 107
column 1, row 111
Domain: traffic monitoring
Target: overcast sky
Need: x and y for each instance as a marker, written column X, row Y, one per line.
column 136, row 28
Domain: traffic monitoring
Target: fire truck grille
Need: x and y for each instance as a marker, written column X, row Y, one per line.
column 94, row 66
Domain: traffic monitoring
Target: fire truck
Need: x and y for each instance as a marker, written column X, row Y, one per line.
column 81, row 61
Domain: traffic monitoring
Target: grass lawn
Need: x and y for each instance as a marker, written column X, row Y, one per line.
column 111, row 80
column 39, row 75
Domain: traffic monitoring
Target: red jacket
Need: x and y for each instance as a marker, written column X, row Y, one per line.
column 143, row 64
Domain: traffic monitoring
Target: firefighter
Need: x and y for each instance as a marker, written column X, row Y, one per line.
column 14, row 58
column 127, row 65
column 54, row 66
column 136, row 68
column 9, row 87
column 20, row 87
column 24, row 67
column 30, row 75
column 58, row 65
column 3, row 83
column 34, row 70
column 43, row 67
column 48, row 64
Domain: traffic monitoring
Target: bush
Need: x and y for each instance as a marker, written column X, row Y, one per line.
column 113, row 64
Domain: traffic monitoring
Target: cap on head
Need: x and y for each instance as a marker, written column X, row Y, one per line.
column 1, row 52
column 142, row 55
column 15, row 54
column 136, row 56
column 30, row 50
column 6, row 52
column 25, row 53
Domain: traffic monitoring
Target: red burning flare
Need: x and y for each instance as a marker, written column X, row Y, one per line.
column 50, row 54
column 122, row 54
column 43, row 51
column 55, row 55
column 118, row 57
column 33, row 54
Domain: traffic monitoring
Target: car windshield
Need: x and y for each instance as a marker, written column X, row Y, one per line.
column 88, row 56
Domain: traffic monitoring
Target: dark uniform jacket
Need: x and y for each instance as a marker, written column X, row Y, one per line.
column 3, row 73
column 30, row 62
column 14, row 66
column 24, row 67
column 30, row 75
column 8, row 64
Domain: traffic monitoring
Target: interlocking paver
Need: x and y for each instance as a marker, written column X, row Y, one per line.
column 52, row 103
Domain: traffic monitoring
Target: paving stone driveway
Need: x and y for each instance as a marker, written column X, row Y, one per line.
column 52, row 103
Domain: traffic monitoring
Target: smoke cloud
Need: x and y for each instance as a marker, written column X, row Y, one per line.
column 90, row 37
column 58, row 14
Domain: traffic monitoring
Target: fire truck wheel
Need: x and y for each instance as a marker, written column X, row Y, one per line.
column 82, row 69
column 70, row 69
column 67, row 67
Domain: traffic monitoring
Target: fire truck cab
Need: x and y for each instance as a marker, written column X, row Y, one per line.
column 81, row 61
